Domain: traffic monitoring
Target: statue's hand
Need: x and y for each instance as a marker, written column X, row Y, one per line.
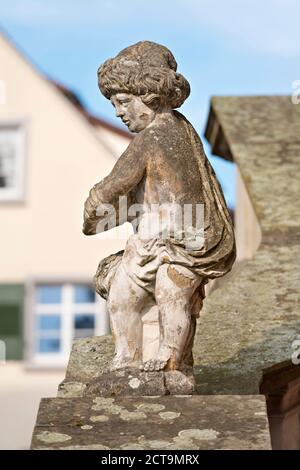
column 90, row 213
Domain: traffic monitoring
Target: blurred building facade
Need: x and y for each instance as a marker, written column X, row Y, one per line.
column 52, row 151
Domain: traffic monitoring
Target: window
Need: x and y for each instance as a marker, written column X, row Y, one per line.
column 62, row 313
column 11, row 162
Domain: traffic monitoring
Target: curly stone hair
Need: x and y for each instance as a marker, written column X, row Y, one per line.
column 145, row 69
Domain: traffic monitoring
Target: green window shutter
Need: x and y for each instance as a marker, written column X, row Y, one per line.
column 11, row 319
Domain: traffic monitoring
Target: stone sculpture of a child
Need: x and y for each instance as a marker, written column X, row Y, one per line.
column 164, row 166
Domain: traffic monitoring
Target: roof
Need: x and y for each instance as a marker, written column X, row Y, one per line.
column 250, row 322
column 92, row 119
column 68, row 93
column 262, row 135
column 256, row 119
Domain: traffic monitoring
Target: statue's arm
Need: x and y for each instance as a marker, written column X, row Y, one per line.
column 125, row 175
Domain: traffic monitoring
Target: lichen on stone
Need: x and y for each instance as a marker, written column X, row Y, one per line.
column 150, row 407
column 52, row 437
column 107, row 404
column 201, row 434
column 169, row 415
column 99, row 418
column 134, row 383
column 132, row 415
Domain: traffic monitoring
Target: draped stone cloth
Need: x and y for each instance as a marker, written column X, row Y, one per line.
column 211, row 258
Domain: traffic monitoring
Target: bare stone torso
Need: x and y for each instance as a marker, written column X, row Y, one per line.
column 171, row 169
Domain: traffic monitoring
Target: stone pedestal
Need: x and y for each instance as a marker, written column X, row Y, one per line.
column 88, row 374
column 162, row 422
column 97, row 411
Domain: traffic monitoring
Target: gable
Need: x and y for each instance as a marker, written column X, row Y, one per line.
column 64, row 157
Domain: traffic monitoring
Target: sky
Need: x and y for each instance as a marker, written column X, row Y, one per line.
column 232, row 47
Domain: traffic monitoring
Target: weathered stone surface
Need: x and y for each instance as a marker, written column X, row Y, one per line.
column 181, row 422
column 178, row 383
column 87, row 374
column 249, row 324
column 127, row 382
column 133, row 382
column 88, row 358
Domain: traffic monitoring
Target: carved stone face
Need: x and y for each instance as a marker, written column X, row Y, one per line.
column 133, row 112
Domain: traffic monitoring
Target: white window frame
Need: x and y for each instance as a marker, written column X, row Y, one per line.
column 16, row 193
column 67, row 310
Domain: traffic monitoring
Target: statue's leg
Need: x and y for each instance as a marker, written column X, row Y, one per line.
column 174, row 289
column 196, row 306
column 125, row 302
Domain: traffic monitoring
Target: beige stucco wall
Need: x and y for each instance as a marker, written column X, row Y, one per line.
column 20, row 393
column 247, row 228
column 64, row 158
column 114, row 142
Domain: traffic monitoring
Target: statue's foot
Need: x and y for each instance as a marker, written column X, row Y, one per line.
column 159, row 362
column 153, row 365
column 122, row 362
column 118, row 362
